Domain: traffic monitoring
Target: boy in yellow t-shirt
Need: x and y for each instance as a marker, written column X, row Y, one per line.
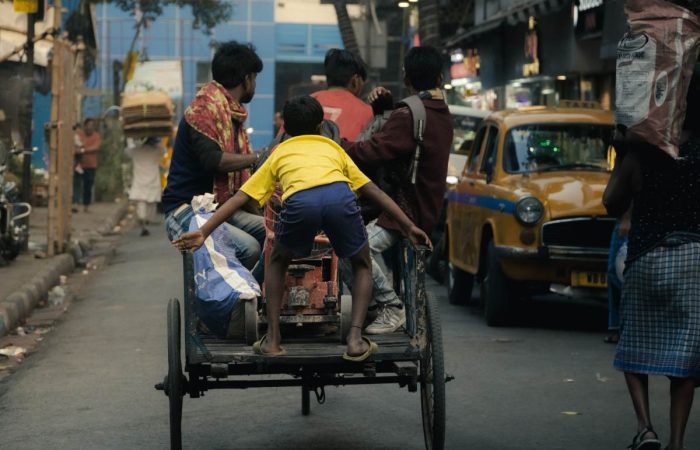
column 319, row 182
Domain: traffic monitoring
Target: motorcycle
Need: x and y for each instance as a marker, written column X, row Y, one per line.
column 14, row 232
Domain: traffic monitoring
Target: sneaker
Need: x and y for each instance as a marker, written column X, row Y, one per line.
column 390, row 319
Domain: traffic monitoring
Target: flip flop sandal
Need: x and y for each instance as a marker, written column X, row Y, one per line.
column 257, row 348
column 641, row 443
column 372, row 348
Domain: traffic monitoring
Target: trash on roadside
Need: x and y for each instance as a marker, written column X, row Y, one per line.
column 13, row 350
column 85, row 272
column 63, row 280
column 57, row 296
column 20, row 331
column 601, row 378
column 571, row 413
column 569, row 380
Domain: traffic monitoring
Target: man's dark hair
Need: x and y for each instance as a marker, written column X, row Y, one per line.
column 302, row 115
column 423, row 66
column 341, row 66
column 89, row 120
column 233, row 62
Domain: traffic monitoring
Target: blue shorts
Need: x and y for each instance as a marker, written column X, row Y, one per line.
column 331, row 208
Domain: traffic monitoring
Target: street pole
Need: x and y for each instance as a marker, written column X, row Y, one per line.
column 29, row 105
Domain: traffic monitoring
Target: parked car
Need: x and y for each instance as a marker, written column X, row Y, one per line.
column 466, row 122
column 527, row 210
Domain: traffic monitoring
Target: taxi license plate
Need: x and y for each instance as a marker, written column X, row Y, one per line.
column 589, row 279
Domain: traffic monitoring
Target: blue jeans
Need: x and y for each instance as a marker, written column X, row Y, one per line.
column 380, row 239
column 247, row 231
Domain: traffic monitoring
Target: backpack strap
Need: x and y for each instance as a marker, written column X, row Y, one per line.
column 415, row 104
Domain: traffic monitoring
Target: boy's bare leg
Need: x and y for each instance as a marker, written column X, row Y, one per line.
column 274, row 289
column 361, row 296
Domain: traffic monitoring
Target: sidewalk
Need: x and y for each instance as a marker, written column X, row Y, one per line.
column 28, row 279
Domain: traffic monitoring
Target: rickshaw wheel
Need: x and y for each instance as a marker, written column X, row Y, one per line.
column 432, row 380
column 345, row 317
column 252, row 321
column 175, row 377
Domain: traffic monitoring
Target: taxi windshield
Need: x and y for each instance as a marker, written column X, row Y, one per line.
column 554, row 147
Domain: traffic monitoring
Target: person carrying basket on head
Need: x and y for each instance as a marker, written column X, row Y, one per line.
column 319, row 182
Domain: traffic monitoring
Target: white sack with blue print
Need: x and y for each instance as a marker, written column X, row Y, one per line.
column 220, row 279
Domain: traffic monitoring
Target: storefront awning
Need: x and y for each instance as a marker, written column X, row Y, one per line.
column 517, row 13
column 614, row 27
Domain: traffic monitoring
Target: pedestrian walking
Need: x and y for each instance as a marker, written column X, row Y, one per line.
column 145, row 188
column 91, row 142
column 660, row 308
column 77, row 168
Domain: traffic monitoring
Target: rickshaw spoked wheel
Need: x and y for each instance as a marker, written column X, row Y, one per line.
column 432, row 380
column 175, row 381
column 345, row 317
column 252, row 321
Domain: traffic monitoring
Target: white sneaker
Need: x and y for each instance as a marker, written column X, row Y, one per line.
column 390, row 319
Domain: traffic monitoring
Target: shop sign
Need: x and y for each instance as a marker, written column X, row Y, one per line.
column 26, row 6
column 465, row 66
column 532, row 61
column 587, row 17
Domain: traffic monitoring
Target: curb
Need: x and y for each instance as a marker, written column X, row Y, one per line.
column 17, row 306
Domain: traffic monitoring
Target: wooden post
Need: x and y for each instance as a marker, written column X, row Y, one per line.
column 61, row 141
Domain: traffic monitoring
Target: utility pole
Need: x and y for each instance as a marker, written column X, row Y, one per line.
column 28, row 109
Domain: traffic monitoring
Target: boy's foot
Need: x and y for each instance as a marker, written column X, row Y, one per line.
column 360, row 350
column 389, row 319
column 266, row 348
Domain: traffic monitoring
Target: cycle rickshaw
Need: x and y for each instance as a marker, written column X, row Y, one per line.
column 412, row 358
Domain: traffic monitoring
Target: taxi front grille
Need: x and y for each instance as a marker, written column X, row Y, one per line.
column 587, row 232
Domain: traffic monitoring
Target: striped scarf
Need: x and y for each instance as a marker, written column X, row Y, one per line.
column 212, row 113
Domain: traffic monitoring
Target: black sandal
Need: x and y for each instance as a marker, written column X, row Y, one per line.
column 641, row 443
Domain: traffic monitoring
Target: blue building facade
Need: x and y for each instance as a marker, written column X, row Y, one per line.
column 172, row 37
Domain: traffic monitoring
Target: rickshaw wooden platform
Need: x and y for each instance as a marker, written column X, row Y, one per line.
column 319, row 350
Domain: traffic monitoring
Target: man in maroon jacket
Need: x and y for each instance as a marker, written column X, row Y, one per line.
column 394, row 147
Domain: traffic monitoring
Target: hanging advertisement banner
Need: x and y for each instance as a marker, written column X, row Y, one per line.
column 157, row 76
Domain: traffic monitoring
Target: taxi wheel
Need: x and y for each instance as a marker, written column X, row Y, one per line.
column 496, row 290
column 459, row 285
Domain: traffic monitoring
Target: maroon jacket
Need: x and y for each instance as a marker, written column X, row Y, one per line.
column 394, row 143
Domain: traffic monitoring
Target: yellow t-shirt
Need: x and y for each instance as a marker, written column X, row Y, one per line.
column 301, row 163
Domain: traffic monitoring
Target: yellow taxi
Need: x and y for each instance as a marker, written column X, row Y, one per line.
column 527, row 212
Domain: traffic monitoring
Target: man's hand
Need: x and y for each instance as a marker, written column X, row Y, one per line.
column 377, row 92
column 418, row 237
column 189, row 241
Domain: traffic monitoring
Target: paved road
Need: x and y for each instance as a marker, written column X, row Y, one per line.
column 91, row 385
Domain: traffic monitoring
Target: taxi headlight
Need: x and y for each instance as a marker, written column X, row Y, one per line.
column 529, row 211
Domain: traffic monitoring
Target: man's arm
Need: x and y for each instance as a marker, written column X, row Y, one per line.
column 625, row 182
column 393, row 141
column 213, row 159
column 376, row 195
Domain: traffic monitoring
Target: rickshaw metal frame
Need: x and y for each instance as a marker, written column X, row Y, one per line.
column 314, row 364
